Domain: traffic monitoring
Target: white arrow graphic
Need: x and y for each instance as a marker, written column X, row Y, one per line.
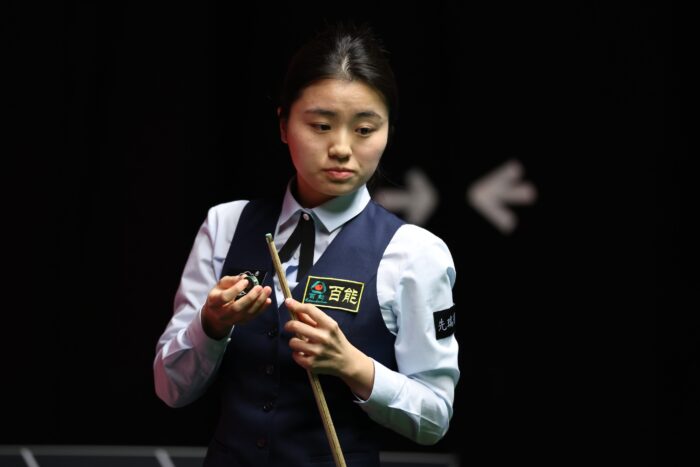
column 491, row 194
column 418, row 201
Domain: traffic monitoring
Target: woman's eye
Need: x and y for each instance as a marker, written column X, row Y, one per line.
column 365, row 131
column 321, row 126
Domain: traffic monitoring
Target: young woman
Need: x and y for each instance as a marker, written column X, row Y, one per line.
column 376, row 316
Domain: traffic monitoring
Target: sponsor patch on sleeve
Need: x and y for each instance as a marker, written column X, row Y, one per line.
column 330, row 292
column 445, row 322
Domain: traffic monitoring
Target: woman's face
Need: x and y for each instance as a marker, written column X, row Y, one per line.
column 336, row 131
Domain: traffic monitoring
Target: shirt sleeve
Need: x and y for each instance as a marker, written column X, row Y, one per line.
column 186, row 358
column 414, row 281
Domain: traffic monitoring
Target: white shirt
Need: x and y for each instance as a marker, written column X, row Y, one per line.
column 415, row 279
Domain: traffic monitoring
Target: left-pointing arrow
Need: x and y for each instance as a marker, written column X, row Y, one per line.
column 491, row 194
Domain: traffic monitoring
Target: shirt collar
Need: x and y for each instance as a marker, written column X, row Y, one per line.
column 331, row 214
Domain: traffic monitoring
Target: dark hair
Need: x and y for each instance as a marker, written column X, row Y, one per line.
column 341, row 51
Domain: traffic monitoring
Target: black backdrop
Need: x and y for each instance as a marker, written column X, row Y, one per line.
column 130, row 120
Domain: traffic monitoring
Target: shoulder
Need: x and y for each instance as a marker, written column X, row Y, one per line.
column 421, row 250
column 380, row 213
column 226, row 211
column 410, row 238
column 222, row 219
column 417, row 238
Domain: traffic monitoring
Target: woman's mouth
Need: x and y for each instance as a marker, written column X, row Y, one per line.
column 339, row 173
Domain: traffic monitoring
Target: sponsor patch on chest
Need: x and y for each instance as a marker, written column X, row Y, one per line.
column 331, row 292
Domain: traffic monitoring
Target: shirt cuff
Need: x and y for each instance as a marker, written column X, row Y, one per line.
column 386, row 385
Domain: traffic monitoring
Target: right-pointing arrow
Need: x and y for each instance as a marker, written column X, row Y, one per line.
column 418, row 201
column 491, row 194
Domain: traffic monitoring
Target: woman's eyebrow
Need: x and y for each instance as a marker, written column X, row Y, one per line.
column 320, row 111
column 331, row 113
column 369, row 114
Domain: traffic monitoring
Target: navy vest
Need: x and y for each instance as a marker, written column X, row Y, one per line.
column 268, row 414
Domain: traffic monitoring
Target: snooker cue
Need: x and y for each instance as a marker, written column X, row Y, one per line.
column 313, row 378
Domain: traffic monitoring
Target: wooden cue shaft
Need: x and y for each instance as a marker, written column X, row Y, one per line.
column 313, row 378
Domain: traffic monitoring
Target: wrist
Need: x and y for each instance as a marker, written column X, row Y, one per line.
column 359, row 376
column 213, row 328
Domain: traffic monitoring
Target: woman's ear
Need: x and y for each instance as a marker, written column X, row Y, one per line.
column 283, row 126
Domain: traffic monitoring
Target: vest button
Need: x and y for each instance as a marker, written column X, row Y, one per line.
column 261, row 443
column 268, row 406
column 269, row 369
column 272, row 332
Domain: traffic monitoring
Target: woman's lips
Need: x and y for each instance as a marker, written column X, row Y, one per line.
column 339, row 174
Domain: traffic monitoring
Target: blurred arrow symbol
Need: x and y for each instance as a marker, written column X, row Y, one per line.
column 491, row 194
column 417, row 201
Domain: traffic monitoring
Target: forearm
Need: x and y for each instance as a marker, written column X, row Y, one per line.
column 186, row 362
column 187, row 359
column 419, row 409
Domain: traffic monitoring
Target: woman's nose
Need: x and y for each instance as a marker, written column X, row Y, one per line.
column 340, row 146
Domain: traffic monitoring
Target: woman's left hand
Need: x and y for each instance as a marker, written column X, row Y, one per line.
column 320, row 346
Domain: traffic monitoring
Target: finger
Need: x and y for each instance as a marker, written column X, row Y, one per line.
column 304, row 331
column 232, row 292
column 257, row 299
column 227, row 281
column 318, row 316
column 305, row 318
column 302, row 360
column 298, row 307
column 244, row 302
column 264, row 299
column 301, row 346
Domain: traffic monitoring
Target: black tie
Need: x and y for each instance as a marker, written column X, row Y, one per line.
column 305, row 234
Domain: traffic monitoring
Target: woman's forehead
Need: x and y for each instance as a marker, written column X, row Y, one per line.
column 337, row 96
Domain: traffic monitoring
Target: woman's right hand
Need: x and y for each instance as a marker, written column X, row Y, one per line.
column 221, row 310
